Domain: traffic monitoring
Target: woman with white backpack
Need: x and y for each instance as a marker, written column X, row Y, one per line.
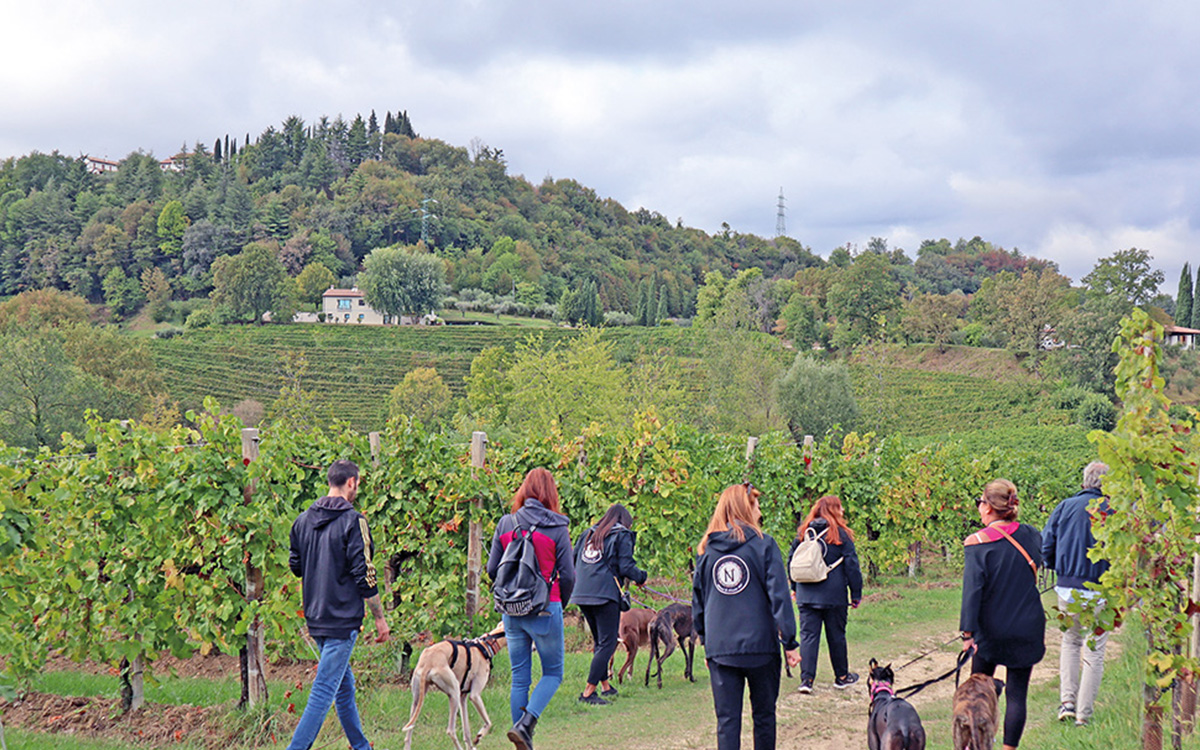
column 826, row 579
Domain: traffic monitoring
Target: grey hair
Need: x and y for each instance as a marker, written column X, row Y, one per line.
column 1092, row 474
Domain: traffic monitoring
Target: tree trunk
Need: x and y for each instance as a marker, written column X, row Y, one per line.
column 914, row 559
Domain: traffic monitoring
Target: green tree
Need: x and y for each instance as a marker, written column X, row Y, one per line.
column 572, row 383
column 1183, row 299
column 488, row 386
column 1196, row 308
column 250, row 283
column 934, row 317
column 1021, row 308
column 296, row 407
column 172, row 223
column 122, row 294
column 422, row 395
column 157, row 290
column 403, row 281
column 861, row 299
column 44, row 393
column 313, row 281
column 708, row 298
column 816, row 398
column 1127, row 274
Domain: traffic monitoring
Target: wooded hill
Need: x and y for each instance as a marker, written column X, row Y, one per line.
column 332, row 190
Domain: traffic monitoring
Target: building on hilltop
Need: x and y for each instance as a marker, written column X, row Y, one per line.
column 349, row 306
column 1184, row 338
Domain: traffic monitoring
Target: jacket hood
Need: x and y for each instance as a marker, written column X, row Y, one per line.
column 533, row 513
column 725, row 541
column 327, row 508
column 818, row 524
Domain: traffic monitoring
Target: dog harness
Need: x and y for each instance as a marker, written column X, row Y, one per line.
column 484, row 646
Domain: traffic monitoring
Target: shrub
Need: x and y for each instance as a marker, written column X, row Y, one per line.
column 1070, row 397
column 617, row 318
column 200, row 318
column 815, row 397
column 1096, row 413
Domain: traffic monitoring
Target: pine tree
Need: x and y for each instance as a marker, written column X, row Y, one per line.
column 389, row 125
column 356, row 142
column 404, row 126
column 1184, row 299
column 372, row 124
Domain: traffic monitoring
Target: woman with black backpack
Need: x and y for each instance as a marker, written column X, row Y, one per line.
column 603, row 562
column 823, row 603
column 536, row 520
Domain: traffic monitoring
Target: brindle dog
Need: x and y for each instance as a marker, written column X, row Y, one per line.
column 975, row 714
column 673, row 621
column 893, row 723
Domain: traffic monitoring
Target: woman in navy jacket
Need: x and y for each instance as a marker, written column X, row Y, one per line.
column 535, row 505
column 1002, row 615
column 823, row 604
column 603, row 562
column 742, row 611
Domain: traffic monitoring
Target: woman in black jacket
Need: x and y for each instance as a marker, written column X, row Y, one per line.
column 742, row 611
column 603, row 562
column 1002, row 615
column 823, row 604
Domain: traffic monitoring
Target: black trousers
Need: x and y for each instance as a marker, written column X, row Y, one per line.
column 729, row 688
column 604, row 620
column 1016, row 690
column 833, row 619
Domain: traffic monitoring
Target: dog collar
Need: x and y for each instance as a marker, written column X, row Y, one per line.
column 882, row 687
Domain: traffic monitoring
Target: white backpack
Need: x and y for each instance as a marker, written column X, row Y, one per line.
column 808, row 561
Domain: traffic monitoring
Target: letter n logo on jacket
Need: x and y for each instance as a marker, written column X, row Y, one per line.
column 730, row 575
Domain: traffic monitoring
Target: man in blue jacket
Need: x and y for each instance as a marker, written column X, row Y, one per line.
column 331, row 551
column 1065, row 545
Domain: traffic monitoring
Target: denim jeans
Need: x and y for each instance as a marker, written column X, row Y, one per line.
column 334, row 683
column 544, row 630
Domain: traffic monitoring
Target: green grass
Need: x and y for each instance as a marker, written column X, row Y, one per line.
column 898, row 620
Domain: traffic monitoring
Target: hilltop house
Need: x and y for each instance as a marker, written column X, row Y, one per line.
column 349, row 306
column 1180, row 336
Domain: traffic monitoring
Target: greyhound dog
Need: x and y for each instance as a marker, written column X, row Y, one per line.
column 460, row 669
column 674, row 621
column 893, row 722
column 634, row 633
column 975, row 719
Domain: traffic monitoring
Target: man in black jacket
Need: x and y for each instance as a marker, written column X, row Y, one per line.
column 1065, row 545
column 331, row 551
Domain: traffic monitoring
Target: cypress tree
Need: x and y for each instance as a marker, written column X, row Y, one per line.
column 389, row 125
column 1195, row 322
column 663, row 311
column 1184, row 299
column 217, row 151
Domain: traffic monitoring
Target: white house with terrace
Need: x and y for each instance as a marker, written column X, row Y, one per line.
column 349, row 306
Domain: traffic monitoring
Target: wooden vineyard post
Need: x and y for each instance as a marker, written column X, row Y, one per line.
column 256, row 673
column 475, row 529
column 807, row 452
column 751, row 444
column 1188, row 687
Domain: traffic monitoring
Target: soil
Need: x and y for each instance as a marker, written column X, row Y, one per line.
column 958, row 360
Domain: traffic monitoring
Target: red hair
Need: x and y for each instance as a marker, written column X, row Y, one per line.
column 538, row 484
column 828, row 507
column 735, row 509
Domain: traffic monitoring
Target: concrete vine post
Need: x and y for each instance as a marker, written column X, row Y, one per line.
column 475, row 529
column 751, row 444
column 256, row 660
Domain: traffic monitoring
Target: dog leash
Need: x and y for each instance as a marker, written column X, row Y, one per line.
column 927, row 653
column 912, row 690
column 664, row 595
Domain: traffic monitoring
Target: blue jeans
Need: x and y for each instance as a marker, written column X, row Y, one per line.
column 334, row 680
column 546, row 632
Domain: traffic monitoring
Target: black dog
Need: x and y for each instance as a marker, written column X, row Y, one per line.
column 674, row 621
column 894, row 724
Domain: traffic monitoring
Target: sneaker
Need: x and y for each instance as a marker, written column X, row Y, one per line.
column 1066, row 711
column 845, row 681
column 610, row 693
column 1082, row 722
column 805, row 687
column 592, row 700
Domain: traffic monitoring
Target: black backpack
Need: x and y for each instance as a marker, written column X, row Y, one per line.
column 519, row 588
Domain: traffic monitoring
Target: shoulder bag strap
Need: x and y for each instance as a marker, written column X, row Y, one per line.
column 1020, row 549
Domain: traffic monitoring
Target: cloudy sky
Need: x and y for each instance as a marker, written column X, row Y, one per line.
column 1065, row 129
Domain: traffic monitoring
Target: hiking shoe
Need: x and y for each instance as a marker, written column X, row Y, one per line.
column 1066, row 711
column 845, row 681
column 805, row 687
column 592, row 700
column 610, row 693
